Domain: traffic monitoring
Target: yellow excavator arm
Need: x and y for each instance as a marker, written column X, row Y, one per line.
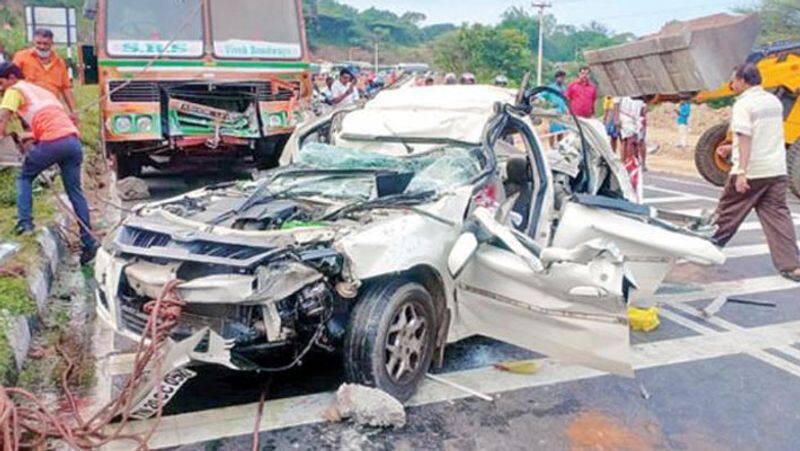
column 780, row 74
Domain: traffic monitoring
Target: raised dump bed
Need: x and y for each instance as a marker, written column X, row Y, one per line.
column 684, row 57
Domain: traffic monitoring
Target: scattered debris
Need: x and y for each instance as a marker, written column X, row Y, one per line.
column 644, row 392
column 133, row 188
column 518, row 367
column 7, row 250
column 367, row 406
column 752, row 302
column 460, row 387
column 714, row 307
column 643, row 320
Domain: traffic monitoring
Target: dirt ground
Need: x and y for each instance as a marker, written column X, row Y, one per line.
column 663, row 133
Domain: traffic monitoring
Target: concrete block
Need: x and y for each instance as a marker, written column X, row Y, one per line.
column 18, row 333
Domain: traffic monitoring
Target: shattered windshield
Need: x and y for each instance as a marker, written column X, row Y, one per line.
column 145, row 27
column 351, row 173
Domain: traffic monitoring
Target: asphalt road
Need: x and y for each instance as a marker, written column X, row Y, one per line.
column 732, row 382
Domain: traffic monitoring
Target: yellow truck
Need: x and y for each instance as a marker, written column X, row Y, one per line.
column 197, row 84
column 696, row 58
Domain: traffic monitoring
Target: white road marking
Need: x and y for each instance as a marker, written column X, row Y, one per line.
column 756, row 347
column 739, row 287
column 756, row 225
column 698, row 183
column 234, row 421
column 669, row 200
column 687, row 323
column 681, row 193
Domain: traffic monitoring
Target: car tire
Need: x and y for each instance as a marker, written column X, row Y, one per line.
column 793, row 165
column 708, row 163
column 393, row 324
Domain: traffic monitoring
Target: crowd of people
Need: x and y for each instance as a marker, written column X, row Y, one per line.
column 350, row 85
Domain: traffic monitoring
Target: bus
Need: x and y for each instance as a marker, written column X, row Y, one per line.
column 193, row 84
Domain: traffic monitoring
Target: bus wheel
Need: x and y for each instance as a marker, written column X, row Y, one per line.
column 711, row 166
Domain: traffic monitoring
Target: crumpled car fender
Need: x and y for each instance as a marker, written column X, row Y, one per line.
column 408, row 239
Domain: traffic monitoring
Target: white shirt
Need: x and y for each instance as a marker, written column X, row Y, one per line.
column 630, row 116
column 338, row 89
column 759, row 114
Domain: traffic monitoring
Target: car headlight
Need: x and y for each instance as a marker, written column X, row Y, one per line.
column 144, row 124
column 123, row 124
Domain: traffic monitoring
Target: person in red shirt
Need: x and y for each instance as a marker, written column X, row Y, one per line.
column 582, row 94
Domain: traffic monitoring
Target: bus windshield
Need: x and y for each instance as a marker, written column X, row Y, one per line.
column 256, row 29
column 145, row 27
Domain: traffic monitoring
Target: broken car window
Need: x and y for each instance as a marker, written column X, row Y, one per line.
column 440, row 169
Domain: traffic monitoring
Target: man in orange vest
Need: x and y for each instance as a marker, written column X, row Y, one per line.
column 41, row 66
column 56, row 142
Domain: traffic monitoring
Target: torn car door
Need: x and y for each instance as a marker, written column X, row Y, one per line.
column 565, row 303
column 650, row 246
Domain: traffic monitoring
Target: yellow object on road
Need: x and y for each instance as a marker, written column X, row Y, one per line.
column 518, row 367
column 643, row 320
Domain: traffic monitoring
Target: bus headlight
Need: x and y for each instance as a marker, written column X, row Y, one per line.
column 144, row 124
column 276, row 120
column 123, row 124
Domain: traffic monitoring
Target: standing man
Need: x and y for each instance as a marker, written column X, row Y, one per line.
column 557, row 130
column 344, row 91
column 759, row 176
column 41, row 66
column 56, row 142
column 683, row 111
column 582, row 94
column 628, row 120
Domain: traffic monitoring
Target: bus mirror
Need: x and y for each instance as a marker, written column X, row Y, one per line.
column 89, row 70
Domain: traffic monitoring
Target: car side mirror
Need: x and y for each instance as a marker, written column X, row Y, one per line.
column 462, row 253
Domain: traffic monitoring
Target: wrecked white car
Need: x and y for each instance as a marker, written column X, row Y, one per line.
column 425, row 217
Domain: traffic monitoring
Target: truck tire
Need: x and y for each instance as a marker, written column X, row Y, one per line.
column 793, row 165
column 713, row 168
column 391, row 336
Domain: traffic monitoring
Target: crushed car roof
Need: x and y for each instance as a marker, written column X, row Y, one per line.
column 453, row 112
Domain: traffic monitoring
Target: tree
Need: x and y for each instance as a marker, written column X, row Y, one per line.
column 485, row 51
column 780, row 19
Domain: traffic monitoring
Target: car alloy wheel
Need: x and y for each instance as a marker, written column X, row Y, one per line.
column 405, row 342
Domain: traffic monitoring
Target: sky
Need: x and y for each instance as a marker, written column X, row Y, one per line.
column 636, row 16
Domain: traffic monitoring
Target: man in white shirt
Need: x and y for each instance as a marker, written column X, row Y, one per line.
column 759, row 177
column 344, row 91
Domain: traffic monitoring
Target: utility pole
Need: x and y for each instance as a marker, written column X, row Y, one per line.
column 539, row 56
